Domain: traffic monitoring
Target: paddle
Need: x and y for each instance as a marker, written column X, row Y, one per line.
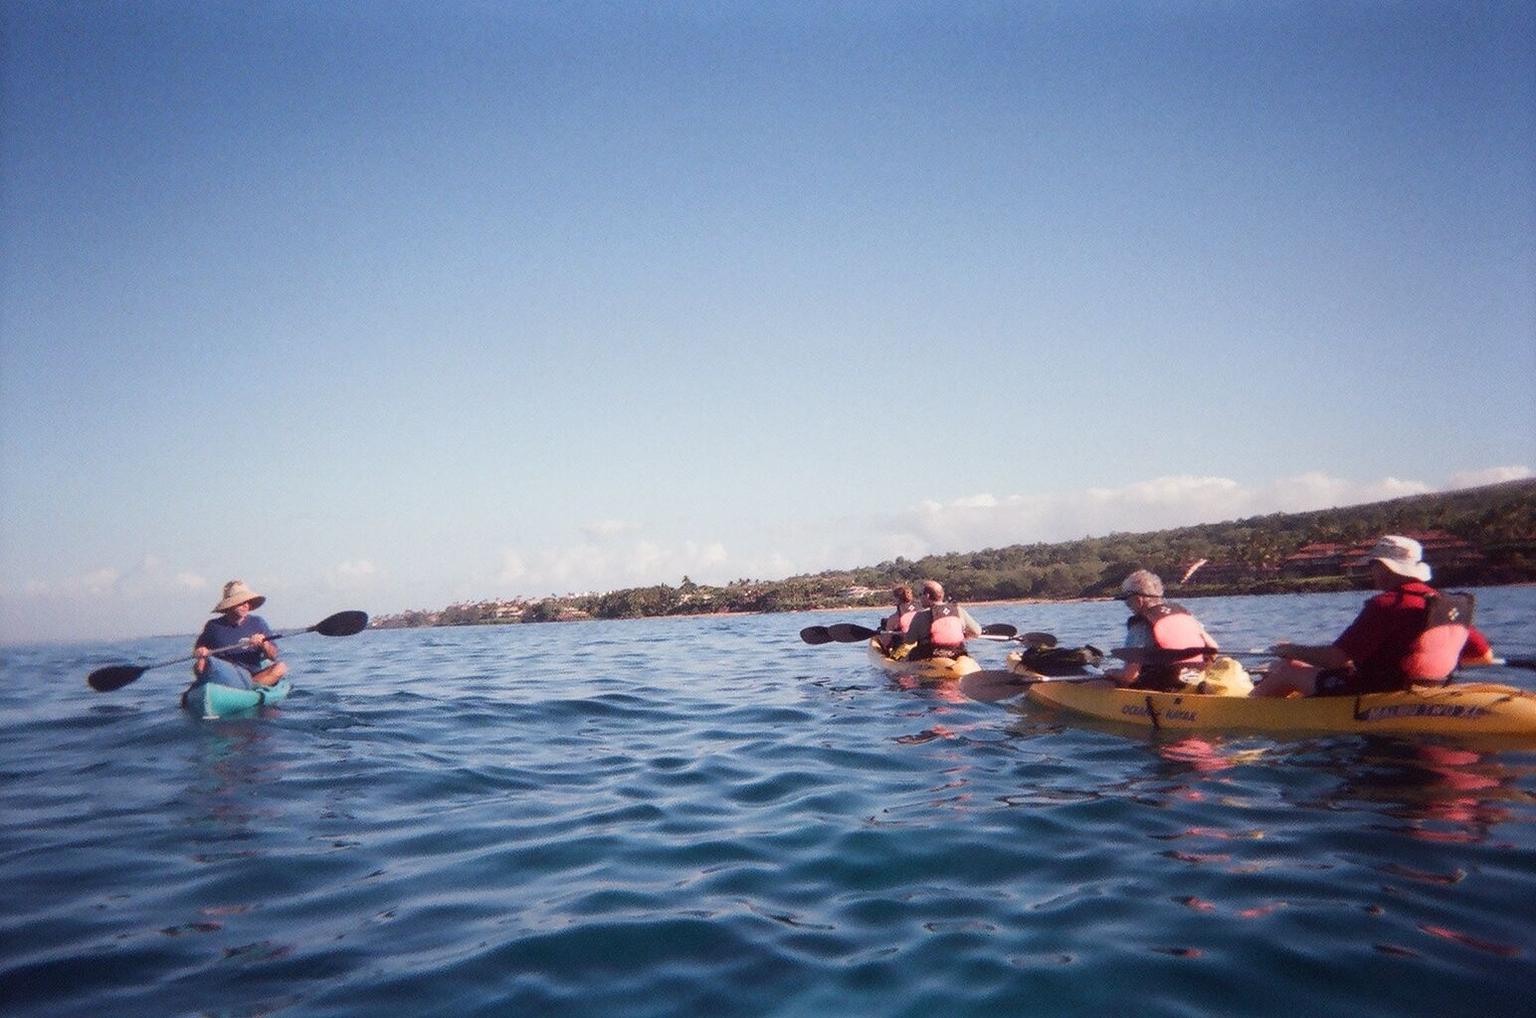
column 104, row 680
column 815, row 635
column 988, row 686
column 1141, row 655
column 847, row 632
column 1159, row 655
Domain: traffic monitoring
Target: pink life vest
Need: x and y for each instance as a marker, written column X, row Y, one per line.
column 1436, row 652
column 1174, row 628
column 901, row 621
column 947, row 628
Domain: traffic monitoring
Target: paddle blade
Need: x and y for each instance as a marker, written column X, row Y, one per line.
column 1038, row 640
column 999, row 629
column 815, row 635
column 1061, row 661
column 104, row 680
column 847, row 632
column 342, row 624
column 991, row 686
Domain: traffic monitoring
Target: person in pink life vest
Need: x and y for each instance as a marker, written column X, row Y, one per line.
column 940, row 628
column 1158, row 624
column 893, row 627
column 1409, row 634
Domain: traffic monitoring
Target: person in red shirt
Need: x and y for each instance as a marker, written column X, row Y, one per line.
column 1408, row 634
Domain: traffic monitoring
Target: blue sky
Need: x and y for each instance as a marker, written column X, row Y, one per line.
column 390, row 305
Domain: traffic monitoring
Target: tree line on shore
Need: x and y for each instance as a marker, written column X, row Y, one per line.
column 1497, row 523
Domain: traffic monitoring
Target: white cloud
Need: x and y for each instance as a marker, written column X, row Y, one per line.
column 353, row 574
column 599, row 529
column 513, row 568
column 191, row 581
column 609, row 566
column 1492, row 475
column 99, row 581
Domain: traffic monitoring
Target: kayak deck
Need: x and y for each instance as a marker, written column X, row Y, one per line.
column 1470, row 709
column 941, row 669
column 211, row 700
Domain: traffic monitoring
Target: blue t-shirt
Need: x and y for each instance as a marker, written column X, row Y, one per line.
column 218, row 633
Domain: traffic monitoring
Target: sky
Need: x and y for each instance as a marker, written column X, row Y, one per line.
column 391, row 305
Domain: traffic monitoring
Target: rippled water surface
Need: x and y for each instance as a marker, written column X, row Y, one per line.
column 706, row 816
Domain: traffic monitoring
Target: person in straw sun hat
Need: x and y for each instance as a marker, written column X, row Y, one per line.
column 248, row 666
column 1409, row 634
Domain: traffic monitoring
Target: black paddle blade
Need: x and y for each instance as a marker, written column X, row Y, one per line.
column 847, row 632
column 1000, row 629
column 342, row 624
column 104, row 680
column 991, row 686
column 1060, row 661
column 815, row 635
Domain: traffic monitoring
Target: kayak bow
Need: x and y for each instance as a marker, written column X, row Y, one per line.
column 211, row 700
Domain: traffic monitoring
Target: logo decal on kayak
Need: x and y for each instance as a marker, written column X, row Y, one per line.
column 1138, row 710
column 1422, row 710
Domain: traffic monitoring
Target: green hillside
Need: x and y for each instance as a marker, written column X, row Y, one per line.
column 1483, row 535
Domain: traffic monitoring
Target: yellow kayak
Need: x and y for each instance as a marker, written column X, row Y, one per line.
column 1457, row 709
column 939, row 669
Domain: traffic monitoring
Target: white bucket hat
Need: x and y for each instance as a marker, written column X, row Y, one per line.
column 1402, row 555
column 236, row 592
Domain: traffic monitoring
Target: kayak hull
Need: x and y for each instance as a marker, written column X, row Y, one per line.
column 1469, row 709
column 211, row 700
column 942, row 669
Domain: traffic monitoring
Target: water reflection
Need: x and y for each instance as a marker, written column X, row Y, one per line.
column 232, row 766
column 1444, row 793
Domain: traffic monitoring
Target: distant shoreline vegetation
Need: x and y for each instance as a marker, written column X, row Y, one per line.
column 1473, row 537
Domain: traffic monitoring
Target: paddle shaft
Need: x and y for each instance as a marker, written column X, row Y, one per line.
column 847, row 632
column 1144, row 654
column 104, row 680
column 1155, row 653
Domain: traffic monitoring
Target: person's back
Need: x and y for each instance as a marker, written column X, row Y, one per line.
column 1408, row 634
column 939, row 629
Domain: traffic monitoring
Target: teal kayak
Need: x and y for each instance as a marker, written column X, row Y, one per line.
column 211, row 700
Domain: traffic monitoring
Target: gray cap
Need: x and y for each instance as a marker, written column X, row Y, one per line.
column 1142, row 581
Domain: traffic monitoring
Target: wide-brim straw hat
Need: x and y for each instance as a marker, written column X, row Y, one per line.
column 1402, row 555
column 235, row 593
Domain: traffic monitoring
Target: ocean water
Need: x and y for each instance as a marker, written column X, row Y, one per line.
column 706, row 816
